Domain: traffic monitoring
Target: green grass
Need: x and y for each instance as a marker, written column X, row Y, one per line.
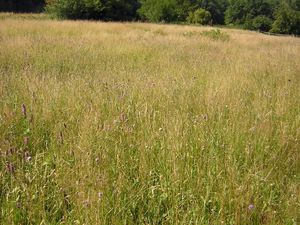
column 130, row 123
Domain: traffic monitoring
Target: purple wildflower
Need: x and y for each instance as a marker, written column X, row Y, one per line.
column 10, row 168
column 251, row 207
column 24, row 111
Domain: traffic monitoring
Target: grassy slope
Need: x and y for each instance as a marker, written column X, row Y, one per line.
column 139, row 123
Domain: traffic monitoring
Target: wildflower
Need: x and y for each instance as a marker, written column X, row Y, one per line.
column 251, row 207
column 27, row 156
column 24, row 111
column 10, row 168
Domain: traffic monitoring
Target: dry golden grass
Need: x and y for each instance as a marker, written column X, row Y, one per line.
column 131, row 123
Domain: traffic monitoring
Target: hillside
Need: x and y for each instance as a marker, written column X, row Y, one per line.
column 131, row 123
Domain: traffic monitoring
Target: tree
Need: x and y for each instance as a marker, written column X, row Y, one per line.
column 216, row 8
column 287, row 20
column 93, row 9
column 159, row 10
column 120, row 9
column 21, row 5
column 243, row 11
column 75, row 9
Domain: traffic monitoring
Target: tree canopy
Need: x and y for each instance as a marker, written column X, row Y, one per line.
column 21, row 5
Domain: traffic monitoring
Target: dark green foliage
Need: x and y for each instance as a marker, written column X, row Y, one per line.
column 76, row 9
column 159, row 10
column 21, row 5
column 93, row 9
column 242, row 12
column 120, row 9
column 215, row 7
column 260, row 14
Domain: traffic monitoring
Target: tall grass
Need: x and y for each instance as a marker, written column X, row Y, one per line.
column 127, row 123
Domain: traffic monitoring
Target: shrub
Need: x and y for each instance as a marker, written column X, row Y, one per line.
column 216, row 34
column 200, row 16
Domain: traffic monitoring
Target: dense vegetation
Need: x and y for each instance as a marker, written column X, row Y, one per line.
column 278, row 16
column 132, row 123
column 22, row 5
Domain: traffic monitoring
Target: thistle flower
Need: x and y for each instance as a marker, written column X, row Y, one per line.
column 251, row 207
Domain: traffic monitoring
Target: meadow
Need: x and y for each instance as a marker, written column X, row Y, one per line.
column 132, row 123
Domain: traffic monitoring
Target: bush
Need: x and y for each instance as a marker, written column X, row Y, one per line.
column 261, row 23
column 216, row 34
column 200, row 16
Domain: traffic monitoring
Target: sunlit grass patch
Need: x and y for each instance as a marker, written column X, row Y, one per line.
column 216, row 34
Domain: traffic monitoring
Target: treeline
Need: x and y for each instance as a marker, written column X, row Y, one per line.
column 278, row 16
column 22, row 5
